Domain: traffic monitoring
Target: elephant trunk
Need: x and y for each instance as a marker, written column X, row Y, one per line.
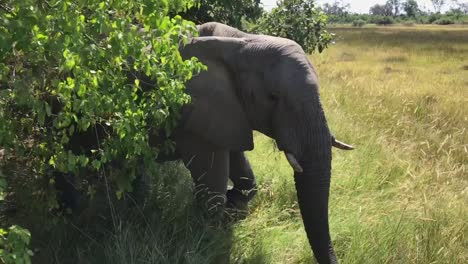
column 312, row 187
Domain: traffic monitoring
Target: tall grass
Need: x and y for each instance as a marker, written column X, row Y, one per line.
column 401, row 197
column 400, row 96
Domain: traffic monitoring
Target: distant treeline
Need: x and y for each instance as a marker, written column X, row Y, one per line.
column 362, row 19
column 396, row 11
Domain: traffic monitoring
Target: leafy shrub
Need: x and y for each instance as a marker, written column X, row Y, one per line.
column 433, row 17
column 444, row 21
column 14, row 241
column 63, row 79
column 14, row 246
column 307, row 25
column 383, row 20
column 228, row 12
column 359, row 23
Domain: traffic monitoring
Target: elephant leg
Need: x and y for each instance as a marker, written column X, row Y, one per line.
column 210, row 171
column 68, row 195
column 243, row 178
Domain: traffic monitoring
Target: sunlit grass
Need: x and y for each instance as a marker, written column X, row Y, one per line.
column 401, row 96
column 403, row 101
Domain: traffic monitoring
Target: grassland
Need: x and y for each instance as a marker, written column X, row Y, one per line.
column 400, row 95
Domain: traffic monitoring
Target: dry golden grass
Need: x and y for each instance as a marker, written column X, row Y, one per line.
column 403, row 101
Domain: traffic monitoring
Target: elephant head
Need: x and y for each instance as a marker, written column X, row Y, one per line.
column 267, row 84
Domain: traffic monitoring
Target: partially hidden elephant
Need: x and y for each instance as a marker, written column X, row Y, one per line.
column 253, row 82
column 262, row 83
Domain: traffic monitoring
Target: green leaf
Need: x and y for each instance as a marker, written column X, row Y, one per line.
column 20, row 233
column 96, row 164
column 81, row 90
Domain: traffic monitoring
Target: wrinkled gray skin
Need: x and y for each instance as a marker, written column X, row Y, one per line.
column 222, row 30
column 258, row 83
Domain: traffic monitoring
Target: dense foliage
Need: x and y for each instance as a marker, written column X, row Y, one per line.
column 381, row 10
column 64, row 68
column 307, row 26
column 411, row 8
column 63, row 73
column 14, row 246
column 15, row 240
column 224, row 11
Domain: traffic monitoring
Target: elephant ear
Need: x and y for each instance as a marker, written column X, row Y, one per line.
column 215, row 112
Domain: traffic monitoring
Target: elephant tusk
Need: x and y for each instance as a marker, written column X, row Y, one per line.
column 293, row 162
column 341, row 145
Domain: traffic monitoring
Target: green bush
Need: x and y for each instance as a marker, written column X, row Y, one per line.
column 444, row 21
column 383, row 20
column 224, row 11
column 307, row 25
column 432, row 18
column 63, row 74
column 14, row 246
column 14, row 241
column 359, row 23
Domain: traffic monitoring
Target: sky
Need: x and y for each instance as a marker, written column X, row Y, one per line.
column 361, row 6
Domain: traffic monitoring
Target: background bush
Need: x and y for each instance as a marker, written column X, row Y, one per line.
column 444, row 21
column 359, row 23
column 383, row 20
column 307, row 26
column 224, row 11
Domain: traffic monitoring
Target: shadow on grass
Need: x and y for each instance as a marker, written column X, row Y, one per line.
column 188, row 238
column 167, row 227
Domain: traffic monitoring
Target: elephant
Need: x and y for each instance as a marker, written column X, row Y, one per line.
column 277, row 89
column 267, row 84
